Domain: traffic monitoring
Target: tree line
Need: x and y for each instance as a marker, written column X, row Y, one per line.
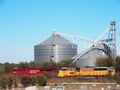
column 6, row 67
column 102, row 62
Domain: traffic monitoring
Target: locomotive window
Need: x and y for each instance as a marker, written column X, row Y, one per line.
column 65, row 68
column 14, row 70
column 100, row 68
column 78, row 69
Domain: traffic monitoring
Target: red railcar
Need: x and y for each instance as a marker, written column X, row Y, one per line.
column 31, row 71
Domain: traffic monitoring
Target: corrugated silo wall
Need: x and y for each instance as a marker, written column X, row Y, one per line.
column 43, row 53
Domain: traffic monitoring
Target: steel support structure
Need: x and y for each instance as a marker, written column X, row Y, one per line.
column 112, row 38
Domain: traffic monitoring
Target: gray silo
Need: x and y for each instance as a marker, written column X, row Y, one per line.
column 55, row 48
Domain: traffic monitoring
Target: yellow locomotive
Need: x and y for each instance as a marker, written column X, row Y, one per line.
column 96, row 71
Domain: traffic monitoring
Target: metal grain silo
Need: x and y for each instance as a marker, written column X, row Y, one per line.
column 55, row 48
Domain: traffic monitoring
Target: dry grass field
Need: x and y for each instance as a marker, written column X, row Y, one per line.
column 73, row 83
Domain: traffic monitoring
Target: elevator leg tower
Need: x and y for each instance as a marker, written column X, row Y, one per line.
column 112, row 38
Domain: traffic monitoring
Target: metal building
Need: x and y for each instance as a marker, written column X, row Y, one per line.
column 89, row 57
column 55, row 48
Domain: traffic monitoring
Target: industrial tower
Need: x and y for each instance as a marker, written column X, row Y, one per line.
column 112, row 38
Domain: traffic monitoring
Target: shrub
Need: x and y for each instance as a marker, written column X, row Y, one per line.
column 4, row 82
column 25, row 81
column 10, row 83
column 118, row 78
column 41, row 80
column 33, row 81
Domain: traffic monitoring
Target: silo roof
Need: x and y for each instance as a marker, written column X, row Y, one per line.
column 55, row 39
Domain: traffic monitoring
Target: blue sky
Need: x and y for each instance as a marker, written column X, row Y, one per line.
column 25, row 23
